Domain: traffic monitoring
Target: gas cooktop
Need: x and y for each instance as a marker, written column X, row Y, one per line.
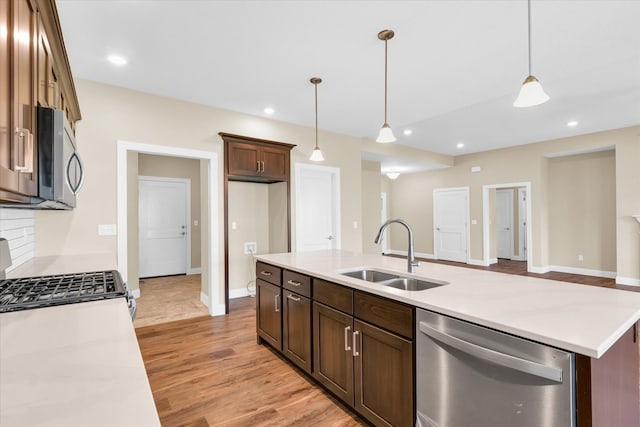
column 44, row 291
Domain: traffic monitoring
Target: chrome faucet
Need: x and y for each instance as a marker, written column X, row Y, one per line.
column 411, row 260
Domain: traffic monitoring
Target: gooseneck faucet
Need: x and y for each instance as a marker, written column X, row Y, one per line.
column 411, row 260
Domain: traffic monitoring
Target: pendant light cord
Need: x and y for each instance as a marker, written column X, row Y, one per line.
column 529, row 32
column 385, row 82
column 316, row 91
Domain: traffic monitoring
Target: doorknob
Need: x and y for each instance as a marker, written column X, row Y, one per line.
column 183, row 233
column 330, row 237
column 438, row 228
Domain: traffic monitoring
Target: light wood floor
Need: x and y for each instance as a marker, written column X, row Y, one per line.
column 209, row 371
column 163, row 299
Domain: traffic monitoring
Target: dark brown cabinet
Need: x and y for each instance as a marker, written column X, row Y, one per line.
column 268, row 316
column 296, row 329
column 256, row 160
column 34, row 71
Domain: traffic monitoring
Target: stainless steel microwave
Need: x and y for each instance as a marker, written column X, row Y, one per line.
column 60, row 169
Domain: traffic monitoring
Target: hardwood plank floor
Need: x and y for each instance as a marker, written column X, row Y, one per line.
column 209, row 371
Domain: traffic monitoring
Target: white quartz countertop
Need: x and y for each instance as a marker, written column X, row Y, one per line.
column 74, row 365
column 64, row 264
column 583, row 319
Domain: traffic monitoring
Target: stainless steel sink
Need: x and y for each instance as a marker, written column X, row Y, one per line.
column 410, row 284
column 393, row 280
column 370, row 275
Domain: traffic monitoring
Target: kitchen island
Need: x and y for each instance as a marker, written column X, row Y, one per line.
column 598, row 325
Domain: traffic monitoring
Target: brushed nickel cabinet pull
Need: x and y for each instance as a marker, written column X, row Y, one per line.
column 258, row 162
column 292, row 298
column 292, row 283
column 26, row 166
column 276, row 299
column 355, row 343
column 265, row 273
column 346, row 338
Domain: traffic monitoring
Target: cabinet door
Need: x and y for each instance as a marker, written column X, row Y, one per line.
column 244, row 159
column 296, row 329
column 275, row 162
column 24, row 89
column 383, row 376
column 269, row 318
column 332, row 351
column 48, row 85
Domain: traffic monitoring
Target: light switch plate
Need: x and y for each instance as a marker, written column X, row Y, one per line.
column 107, row 229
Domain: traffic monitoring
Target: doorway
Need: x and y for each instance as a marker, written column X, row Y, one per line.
column 506, row 206
column 317, row 207
column 450, row 224
column 164, row 226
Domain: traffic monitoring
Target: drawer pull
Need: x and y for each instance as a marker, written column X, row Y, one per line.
column 291, row 282
column 346, row 338
column 265, row 273
column 292, row 298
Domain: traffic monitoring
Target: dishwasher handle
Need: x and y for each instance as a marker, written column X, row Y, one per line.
column 492, row 356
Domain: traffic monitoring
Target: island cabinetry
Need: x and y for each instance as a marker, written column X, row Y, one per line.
column 296, row 319
column 269, row 304
column 363, row 352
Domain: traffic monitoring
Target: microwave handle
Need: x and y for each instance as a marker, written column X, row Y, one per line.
column 75, row 189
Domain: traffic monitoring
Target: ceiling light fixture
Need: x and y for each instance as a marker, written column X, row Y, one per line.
column 269, row 111
column 393, row 175
column 117, row 60
column 531, row 92
column 459, row 145
column 316, row 155
column 572, row 123
column 386, row 134
column 407, row 132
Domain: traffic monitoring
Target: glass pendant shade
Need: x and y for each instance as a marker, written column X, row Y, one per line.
column 393, row 175
column 385, row 135
column 531, row 93
column 316, row 155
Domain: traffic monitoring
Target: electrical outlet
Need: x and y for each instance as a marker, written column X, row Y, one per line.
column 580, row 258
column 107, row 229
column 250, row 247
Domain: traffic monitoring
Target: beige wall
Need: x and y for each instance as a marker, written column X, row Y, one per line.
column 412, row 194
column 249, row 210
column 111, row 113
column 277, row 202
column 176, row 167
column 371, row 205
column 582, row 211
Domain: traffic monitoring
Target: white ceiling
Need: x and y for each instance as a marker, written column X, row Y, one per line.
column 455, row 67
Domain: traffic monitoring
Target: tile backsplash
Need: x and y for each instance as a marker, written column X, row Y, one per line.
column 17, row 226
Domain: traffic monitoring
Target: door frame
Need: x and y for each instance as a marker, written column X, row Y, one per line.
column 435, row 220
column 301, row 168
column 215, row 304
column 187, row 183
column 523, row 247
column 510, row 216
column 486, row 237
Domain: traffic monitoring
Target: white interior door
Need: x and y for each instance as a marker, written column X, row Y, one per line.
column 451, row 217
column 522, row 223
column 504, row 223
column 163, row 226
column 317, row 208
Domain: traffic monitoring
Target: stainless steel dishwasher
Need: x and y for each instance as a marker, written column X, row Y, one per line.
column 469, row 375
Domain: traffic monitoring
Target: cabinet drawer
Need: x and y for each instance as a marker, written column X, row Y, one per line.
column 296, row 282
column 336, row 296
column 269, row 273
column 390, row 315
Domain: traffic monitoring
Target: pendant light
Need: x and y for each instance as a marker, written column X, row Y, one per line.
column 386, row 134
column 531, row 92
column 316, row 155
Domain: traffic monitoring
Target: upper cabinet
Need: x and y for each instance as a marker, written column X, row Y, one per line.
column 34, row 70
column 252, row 159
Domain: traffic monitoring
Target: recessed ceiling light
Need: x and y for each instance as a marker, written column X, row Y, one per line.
column 407, row 132
column 459, row 145
column 269, row 111
column 117, row 60
column 572, row 123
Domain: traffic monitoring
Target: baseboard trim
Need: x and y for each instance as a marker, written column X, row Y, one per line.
column 493, row 261
column 477, row 262
column 539, row 270
column 516, row 258
column 136, row 293
column 629, row 281
column 204, row 298
column 238, row 293
column 218, row 310
column 573, row 270
column 196, row 270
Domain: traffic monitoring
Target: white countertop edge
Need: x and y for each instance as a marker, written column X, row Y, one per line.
column 406, row 297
